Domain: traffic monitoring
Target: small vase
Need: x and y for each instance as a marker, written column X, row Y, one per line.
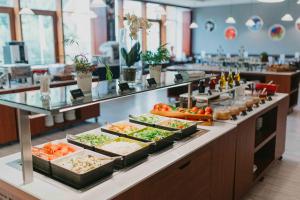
column 155, row 72
column 129, row 74
column 84, row 81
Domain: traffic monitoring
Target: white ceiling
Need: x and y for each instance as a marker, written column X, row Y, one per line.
column 201, row 3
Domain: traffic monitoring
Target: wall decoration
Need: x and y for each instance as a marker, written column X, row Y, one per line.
column 210, row 25
column 297, row 24
column 258, row 24
column 277, row 32
column 230, row 33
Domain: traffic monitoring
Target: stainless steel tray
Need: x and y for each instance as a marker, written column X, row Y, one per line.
column 79, row 181
column 44, row 166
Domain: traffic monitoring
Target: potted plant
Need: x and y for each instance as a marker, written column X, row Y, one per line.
column 131, row 57
column 131, row 52
column 155, row 60
column 264, row 57
column 84, row 71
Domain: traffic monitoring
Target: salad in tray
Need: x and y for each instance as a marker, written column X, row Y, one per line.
column 147, row 118
column 92, row 139
column 52, row 150
column 124, row 127
column 122, row 146
column 175, row 124
column 151, row 134
column 83, row 162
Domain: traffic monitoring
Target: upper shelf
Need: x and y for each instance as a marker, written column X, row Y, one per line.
column 61, row 100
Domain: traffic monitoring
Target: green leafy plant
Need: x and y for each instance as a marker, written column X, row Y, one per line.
column 264, row 57
column 133, row 56
column 82, row 64
column 108, row 74
column 156, row 58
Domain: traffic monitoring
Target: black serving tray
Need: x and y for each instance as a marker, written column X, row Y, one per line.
column 154, row 146
column 43, row 165
column 80, row 181
column 180, row 133
column 72, row 140
column 126, row 160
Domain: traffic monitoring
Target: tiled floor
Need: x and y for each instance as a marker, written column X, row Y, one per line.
column 282, row 182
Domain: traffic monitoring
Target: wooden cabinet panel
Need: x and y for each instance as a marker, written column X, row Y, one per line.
column 281, row 127
column 186, row 179
column 8, row 125
column 223, row 167
column 284, row 82
column 244, row 157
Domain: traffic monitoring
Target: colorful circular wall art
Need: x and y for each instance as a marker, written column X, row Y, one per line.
column 210, row 25
column 258, row 24
column 297, row 24
column 230, row 33
column 277, row 32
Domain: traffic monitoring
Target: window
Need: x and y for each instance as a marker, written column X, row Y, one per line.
column 153, row 36
column 77, row 27
column 154, row 11
column 40, row 44
column 174, row 30
column 133, row 7
column 38, row 4
column 5, row 34
column 6, row 3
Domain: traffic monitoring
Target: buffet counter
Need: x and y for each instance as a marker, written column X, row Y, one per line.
column 216, row 162
column 46, row 188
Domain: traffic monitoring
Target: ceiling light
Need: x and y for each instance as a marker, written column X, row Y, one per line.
column 250, row 22
column 26, row 11
column 98, row 4
column 298, row 2
column 271, row 1
column 287, row 18
column 193, row 25
column 230, row 20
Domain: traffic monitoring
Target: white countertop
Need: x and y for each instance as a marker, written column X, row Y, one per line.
column 45, row 188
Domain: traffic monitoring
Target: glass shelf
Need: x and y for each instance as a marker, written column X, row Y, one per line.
column 61, row 100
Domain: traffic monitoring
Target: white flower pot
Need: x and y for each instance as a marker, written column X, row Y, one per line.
column 155, row 72
column 84, row 82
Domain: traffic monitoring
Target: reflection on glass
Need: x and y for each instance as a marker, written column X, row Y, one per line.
column 38, row 35
column 5, row 35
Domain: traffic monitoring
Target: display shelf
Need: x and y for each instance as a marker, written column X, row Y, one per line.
column 265, row 126
column 264, row 157
column 264, row 142
column 60, row 97
column 215, row 94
